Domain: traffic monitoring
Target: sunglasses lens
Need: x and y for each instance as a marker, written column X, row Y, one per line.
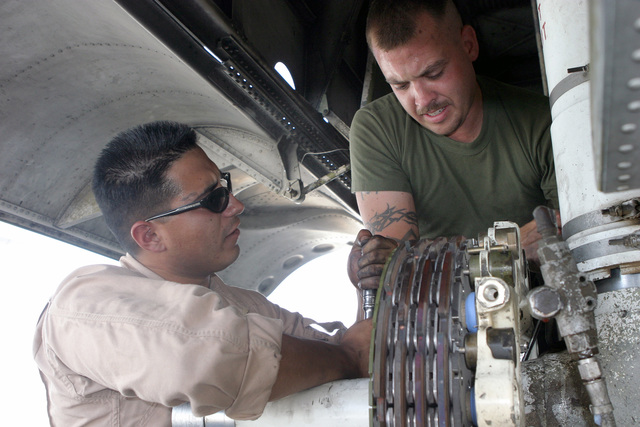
column 217, row 201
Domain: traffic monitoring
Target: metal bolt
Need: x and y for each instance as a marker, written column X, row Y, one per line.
column 545, row 302
column 492, row 293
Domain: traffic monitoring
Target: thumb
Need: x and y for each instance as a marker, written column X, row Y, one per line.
column 363, row 237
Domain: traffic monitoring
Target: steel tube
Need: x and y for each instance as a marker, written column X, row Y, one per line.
column 342, row 403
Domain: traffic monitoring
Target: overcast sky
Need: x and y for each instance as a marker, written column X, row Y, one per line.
column 34, row 265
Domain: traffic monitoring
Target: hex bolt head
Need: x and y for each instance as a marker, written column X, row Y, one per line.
column 545, row 302
column 492, row 293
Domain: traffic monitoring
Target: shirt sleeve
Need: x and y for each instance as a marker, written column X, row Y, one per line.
column 536, row 120
column 293, row 323
column 375, row 151
column 548, row 184
column 164, row 342
column 531, row 116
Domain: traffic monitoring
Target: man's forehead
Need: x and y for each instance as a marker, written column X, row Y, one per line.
column 194, row 169
column 409, row 61
column 203, row 158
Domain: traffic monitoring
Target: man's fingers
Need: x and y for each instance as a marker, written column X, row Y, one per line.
column 368, row 258
column 352, row 264
column 370, row 283
column 378, row 243
column 370, row 270
column 376, row 251
column 376, row 257
column 363, row 237
column 353, row 261
column 369, row 276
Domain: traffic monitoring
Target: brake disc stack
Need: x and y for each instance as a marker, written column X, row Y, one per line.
column 437, row 346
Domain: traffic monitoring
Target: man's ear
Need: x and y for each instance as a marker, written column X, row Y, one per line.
column 146, row 236
column 470, row 42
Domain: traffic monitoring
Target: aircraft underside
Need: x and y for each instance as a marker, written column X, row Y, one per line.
column 459, row 324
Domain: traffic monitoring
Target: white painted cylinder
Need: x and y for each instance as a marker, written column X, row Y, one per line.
column 342, row 403
column 564, row 36
column 564, row 31
column 564, row 28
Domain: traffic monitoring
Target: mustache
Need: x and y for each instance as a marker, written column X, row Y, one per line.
column 433, row 106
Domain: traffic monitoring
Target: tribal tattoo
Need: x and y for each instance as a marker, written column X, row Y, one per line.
column 391, row 215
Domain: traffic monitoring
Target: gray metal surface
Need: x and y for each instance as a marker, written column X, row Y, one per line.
column 74, row 74
column 617, row 281
column 554, row 394
column 618, row 322
column 577, row 300
column 615, row 37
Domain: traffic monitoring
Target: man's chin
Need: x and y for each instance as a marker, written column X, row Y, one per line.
column 230, row 256
column 234, row 254
column 437, row 128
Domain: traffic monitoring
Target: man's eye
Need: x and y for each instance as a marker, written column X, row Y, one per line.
column 435, row 76
column 401, row 87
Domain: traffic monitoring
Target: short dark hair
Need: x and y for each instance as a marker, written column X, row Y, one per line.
column 392, row 23
column 130, row 176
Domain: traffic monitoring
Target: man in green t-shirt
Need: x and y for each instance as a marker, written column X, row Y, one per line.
column 447, row 153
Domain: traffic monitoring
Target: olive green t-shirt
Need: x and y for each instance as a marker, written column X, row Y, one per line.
column 460, row 188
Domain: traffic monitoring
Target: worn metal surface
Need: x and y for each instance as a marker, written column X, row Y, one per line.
column 575, row 317
column 614, row 42
column 618, row 322
column 553, row 393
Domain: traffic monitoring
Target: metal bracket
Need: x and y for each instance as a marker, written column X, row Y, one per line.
column 293, row 187
column 292, row 182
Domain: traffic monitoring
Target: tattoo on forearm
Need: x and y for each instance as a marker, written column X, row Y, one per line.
column 391, row 215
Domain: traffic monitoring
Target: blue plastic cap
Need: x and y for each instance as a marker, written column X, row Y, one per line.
column 470, row 313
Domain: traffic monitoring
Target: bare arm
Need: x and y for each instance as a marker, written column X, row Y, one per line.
column 308, row 363
column 389, row 213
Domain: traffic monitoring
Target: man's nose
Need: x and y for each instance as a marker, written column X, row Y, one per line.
column 235, row 207
column 423, row 94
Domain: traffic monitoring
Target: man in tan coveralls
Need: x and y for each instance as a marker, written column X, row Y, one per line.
column 121, row 345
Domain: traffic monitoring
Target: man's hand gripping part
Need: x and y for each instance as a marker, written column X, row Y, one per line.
column 366, row 263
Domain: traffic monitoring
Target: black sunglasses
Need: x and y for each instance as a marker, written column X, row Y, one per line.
column 216, row 201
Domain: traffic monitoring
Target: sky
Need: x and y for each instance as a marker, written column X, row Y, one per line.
column 33, row 265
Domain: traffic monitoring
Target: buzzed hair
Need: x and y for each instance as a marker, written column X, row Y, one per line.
column 130, row 180
column 392, row 23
